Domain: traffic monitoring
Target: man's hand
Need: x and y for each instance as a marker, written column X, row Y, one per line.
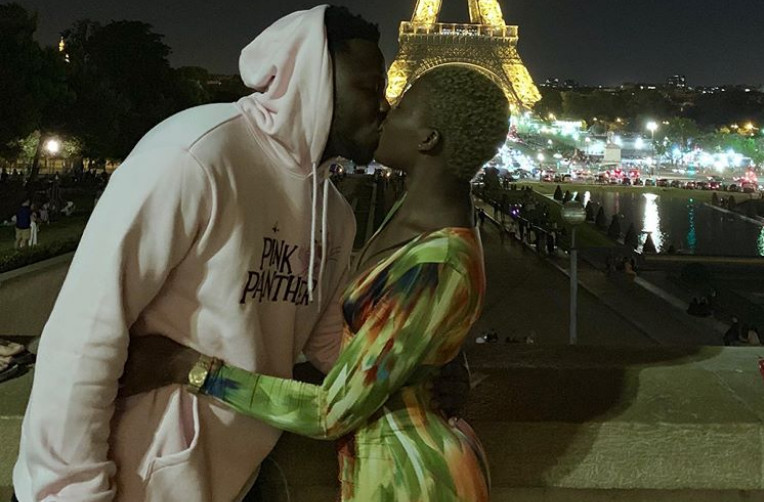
column 452, row 387
column 155, row 361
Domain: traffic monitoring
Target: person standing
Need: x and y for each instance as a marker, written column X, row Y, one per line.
column 23, row 225
column 33, row 228
column 222, row 231
column 418, row 289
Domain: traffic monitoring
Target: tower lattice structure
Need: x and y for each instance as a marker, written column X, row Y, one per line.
column 486, row 43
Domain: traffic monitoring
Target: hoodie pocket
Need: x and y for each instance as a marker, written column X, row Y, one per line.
column 175, row 465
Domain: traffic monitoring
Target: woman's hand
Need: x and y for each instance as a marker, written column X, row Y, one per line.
column 155, row 361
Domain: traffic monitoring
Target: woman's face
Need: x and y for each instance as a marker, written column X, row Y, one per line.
column 404, row 130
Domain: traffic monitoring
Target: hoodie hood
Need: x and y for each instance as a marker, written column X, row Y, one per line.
column 290, row 68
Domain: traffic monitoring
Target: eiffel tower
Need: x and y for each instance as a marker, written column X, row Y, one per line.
column 486, row 43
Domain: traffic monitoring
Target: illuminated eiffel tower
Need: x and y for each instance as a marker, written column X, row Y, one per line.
column 486, row 43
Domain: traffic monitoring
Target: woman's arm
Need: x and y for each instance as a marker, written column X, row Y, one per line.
column 411, row 320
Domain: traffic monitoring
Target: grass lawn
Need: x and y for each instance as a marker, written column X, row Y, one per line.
column 63, row 229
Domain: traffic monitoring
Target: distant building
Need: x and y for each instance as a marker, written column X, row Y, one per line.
column 555, row 83
column 677, row 81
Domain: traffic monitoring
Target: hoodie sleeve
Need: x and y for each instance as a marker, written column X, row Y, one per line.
column 414, row 318
column 153, row 210
column 324, row 344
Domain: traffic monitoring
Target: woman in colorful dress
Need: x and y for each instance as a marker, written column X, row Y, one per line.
column 418, row 288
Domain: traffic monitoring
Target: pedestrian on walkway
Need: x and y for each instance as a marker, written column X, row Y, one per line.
column 481, row 216
column 33, row 229
column 23, row 225
column 551, row 239
column 753, row 337
column 732, row 335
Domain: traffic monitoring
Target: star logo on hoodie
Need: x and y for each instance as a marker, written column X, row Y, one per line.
column 275, row 227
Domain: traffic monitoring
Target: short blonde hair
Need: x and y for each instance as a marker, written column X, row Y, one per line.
column 470, row 112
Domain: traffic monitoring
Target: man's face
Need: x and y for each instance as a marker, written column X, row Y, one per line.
column 359, row 101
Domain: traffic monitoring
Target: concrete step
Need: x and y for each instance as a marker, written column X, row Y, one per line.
column 568, row 424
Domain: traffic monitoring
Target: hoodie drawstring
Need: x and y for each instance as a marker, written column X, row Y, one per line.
column 324, row 218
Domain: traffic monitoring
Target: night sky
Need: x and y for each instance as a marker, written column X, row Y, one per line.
column 593, row 41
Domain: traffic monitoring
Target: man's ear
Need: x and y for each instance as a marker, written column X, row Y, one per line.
column 430, row 142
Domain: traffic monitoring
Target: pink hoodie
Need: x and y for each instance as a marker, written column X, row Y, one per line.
column 204, row 234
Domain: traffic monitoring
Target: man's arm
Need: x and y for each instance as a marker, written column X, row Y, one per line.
column 323, row 346
column 147, row 220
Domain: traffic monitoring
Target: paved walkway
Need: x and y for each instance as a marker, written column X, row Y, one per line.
column 528, row 294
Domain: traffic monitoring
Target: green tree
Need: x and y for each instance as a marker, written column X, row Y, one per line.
column 124, row 84
column 551, row 102
column 32, row 81
column 682, row 131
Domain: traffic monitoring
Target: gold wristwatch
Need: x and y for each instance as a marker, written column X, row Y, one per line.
column 199, row 373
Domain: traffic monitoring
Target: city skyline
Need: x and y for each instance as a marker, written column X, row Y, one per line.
column 606, row 43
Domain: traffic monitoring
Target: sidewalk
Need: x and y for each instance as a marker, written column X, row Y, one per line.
column 645, row 314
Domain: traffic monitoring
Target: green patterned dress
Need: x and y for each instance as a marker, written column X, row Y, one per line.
column 404, row 318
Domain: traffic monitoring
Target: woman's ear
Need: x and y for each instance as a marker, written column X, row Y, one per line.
column 431, row 141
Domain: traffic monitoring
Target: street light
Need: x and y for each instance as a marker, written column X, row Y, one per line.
column 652, row 126
column 573, row 214
column 53, row 146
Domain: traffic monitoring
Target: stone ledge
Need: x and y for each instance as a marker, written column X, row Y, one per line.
column 570, row 423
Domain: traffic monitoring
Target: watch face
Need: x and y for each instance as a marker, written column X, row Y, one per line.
column 196, row 376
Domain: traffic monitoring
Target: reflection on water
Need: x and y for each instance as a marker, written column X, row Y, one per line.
column 692, row 238
column 687, row 225
column 651, row 221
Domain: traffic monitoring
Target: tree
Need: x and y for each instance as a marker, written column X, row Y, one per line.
column 590, row 211
column 631, row 239
column 649, row 245
column 601, row 220
column 614, row 230
column 558, row 193
column 123, row 83
column 551, row 102
column 32, row 80
column 682, row 131
column 492, row 185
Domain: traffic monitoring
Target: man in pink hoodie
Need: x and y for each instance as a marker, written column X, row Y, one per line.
column 221, row 231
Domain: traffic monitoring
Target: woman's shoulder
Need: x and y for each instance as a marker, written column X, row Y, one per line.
column 451, row 245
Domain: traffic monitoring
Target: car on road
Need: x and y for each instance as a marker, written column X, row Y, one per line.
column 701, row 185
column 676, row 184
column 690, row 185
column 749, row 187
column 649, row 182
column 663, row 182
column 713, row 185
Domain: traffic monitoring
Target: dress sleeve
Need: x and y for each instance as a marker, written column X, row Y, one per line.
column 410, row 320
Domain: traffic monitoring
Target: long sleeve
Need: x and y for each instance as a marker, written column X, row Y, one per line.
column 411, row 319
column 323, row 346
column 151, row 213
